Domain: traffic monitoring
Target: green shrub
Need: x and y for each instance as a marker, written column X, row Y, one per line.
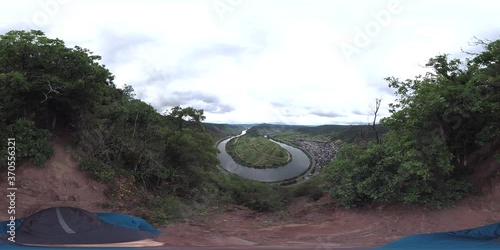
column 446, row 194
column 310, row 188
column 98, row 170
column 162, row 210
column 31, row 143
column 385, row 174
column 255, row 195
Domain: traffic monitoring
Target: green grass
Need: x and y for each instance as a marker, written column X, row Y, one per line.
column 257, row 152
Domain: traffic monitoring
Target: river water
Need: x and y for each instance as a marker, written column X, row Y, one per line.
column 299, row 164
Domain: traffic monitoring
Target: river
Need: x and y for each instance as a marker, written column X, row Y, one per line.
column 299, row 164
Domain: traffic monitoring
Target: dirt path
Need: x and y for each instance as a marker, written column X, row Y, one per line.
column 306, row 224
column 323, row 225
column 59, row 183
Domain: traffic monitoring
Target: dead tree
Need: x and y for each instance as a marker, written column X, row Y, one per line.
column 374, row 123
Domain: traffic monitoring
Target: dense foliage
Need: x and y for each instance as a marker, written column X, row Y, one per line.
column 438, row 120
column 30, row 143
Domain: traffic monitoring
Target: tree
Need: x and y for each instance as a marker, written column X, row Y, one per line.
column 43, row 78
column 185, row 117
column 45, row 83
column 188, row 146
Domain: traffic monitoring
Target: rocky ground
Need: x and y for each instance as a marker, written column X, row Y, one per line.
column 305, row 224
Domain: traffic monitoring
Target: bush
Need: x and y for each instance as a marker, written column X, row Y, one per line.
column 257, row 196
column 446, row 194
column 310, row 188
column 31, row 143
column 383, row 174
column 162, row 210
column 97, row 170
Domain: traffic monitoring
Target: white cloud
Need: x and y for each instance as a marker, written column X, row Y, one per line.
column 260, row 61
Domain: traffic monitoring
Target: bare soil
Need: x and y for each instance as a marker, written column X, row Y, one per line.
column 306, row 223
column 59, row 183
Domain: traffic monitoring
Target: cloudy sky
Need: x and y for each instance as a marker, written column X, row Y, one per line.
column 305, row 62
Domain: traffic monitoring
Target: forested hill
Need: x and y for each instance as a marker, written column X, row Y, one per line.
column 219, row 131
column 336, row 133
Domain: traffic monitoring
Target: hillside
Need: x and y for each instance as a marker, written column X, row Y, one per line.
column 305, row 223
column 334, row 133
column 219, row 131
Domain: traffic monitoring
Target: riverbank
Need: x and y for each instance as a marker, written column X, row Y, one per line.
column 301, row 177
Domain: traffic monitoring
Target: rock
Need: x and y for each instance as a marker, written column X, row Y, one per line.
column 66, row 197
column 62, row 197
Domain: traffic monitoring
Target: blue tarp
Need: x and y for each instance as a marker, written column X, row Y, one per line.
column 485, row 237
column 112, row 218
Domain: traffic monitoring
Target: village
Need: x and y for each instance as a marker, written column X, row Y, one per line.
column 322, row 152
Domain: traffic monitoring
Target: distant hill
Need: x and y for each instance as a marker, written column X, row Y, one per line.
column 339, row 133
column 346, row 133
column 219, row 131
column 289, row 133
column 271, row 129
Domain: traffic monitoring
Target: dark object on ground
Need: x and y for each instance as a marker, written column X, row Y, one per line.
column 68, row 225
column 485, row 237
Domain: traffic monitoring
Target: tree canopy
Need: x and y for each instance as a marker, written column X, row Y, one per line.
column 52, row 84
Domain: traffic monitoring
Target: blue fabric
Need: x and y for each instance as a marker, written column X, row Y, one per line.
column 124, row 220
column 485, row 237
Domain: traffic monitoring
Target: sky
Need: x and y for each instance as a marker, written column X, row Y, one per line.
column 302, row 62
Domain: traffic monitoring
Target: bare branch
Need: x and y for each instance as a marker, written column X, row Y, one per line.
column 469, row 53
column 483, row 42
column 50, row 91
column 374, row 123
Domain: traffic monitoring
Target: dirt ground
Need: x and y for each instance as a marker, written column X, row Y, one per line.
column 305, row 225
column 59, row 183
